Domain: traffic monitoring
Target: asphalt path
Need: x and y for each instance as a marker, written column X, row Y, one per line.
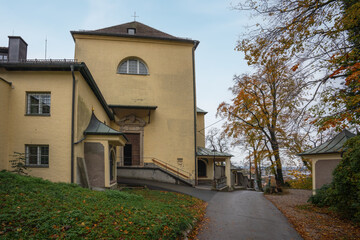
column 233, row 215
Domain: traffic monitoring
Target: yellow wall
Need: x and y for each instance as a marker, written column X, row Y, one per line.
column 53, row 130
column 5, row 91
column 200, row 131
column 169, row 85
column 85, row 102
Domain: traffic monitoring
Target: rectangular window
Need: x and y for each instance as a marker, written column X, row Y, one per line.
column 38, row 103
column 37, row 155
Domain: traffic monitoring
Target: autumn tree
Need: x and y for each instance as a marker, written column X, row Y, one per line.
column 217, row 140
column 321, row 37
column 265, row 102
column 257, row 153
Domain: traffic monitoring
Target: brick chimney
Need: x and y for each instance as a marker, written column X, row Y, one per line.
column 17, row 49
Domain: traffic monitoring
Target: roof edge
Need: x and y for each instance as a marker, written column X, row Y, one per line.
column 195, row 42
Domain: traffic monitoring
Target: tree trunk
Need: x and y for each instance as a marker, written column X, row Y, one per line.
column 275, row 147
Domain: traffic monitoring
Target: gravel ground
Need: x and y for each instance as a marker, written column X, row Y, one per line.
column 312, row 222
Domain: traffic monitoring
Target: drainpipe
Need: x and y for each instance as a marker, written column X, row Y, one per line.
column 196, row 43
column 72, row 123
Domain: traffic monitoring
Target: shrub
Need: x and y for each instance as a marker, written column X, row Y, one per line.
column 301, row 183
column 18, row 163
column 321, row 197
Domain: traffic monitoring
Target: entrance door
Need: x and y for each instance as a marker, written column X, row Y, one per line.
column 127, row 154
column 201, row 168
column 132, row 150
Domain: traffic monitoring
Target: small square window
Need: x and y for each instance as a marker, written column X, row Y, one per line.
column 38, row 103
column 37, row 155
column 131, row 31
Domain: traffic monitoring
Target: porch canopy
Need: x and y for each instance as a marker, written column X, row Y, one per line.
column 97, row 129
column 334, row 145
column 137, row 110
column 211, row 157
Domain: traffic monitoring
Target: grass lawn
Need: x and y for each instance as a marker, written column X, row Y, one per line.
column 32, row 208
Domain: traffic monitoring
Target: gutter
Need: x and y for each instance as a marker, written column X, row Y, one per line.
column 196, row 43
column 72, row 122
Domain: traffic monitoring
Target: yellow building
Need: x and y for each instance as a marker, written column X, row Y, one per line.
column 140, row 83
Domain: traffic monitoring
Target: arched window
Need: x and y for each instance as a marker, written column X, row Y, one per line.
column 133, row 66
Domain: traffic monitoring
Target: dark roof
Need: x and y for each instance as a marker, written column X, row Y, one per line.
column 4, row 50
column 96, row 127
column 48, row 65
column 133, row 107
column 334, row 145
column 199, row 110
column 210, row 153
column 141, row 31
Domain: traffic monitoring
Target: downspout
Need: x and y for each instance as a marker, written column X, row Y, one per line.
column 72, row 123
column 196, row 43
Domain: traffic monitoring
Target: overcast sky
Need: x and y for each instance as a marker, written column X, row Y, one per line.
column 213, row 22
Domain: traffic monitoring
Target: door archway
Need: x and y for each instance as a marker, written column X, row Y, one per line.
column 201, row 168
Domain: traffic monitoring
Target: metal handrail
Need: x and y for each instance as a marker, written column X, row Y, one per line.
column 176, row 170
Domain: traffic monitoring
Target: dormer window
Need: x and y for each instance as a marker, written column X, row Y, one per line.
column 133, row 66
column 131, row 31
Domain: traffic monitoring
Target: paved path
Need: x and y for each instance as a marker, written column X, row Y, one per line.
column 234, row 215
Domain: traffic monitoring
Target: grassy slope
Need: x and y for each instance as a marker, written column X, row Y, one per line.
column 38, row 209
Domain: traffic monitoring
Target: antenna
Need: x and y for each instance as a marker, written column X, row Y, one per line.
column 134, row 16
column 45, row 46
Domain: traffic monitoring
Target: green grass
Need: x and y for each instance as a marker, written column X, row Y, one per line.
column 32, row 208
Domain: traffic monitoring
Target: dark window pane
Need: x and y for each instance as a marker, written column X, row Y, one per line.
column 34, row 99
column 44, row 150
column 33, row 159
column 32, row 150
column 34, row 109
column 44, row 160
column 46, row 109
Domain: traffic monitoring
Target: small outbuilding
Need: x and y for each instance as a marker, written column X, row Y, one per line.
column 325, row 158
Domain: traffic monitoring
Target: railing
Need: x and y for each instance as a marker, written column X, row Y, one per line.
column 220, row 182
column 49, row 60
column 41, row 60
column 173, row 169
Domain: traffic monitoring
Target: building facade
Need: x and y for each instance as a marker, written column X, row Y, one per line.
column 124, row 107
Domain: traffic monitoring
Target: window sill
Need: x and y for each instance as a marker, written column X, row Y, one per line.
column 37, row 115
column 37, row 166
column 135, row 74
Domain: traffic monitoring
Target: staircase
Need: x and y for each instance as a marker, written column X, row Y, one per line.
column 157, row 170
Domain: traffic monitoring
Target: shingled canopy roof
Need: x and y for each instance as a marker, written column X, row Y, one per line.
column 205, row 152
column 334, row 145
column 96, row 127
column 141, row 31
column 199, row 110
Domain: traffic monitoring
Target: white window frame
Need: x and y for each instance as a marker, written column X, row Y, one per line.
column 40, row 105
column 38, row 155
column 137, row 67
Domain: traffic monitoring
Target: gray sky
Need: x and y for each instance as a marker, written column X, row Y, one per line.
column 212, row 22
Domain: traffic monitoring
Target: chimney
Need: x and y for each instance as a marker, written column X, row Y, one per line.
column 17, row 49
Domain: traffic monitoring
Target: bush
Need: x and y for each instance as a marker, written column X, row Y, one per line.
column 321, row 197
column 343, row 194
column 301, row 183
